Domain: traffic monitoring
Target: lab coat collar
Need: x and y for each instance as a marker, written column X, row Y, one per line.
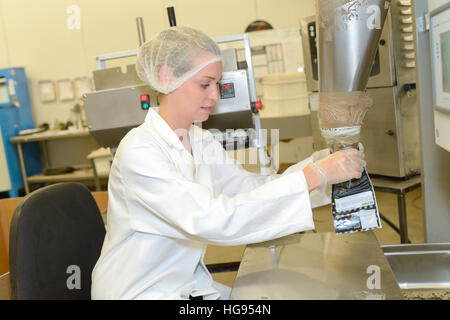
column 163, row 129
column 196, row 134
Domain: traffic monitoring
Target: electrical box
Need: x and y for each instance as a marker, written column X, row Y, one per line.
column 440, row 46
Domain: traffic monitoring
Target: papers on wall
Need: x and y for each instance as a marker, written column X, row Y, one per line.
column 47, row 90
column 65, row 90
column 82, row 85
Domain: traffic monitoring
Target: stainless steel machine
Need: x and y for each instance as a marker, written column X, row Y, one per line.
column 440, row 35
column 390, row 133
column 316, row 266
column 121, row 101
column 432, row 40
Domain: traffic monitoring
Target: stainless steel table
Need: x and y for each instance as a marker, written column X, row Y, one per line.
column 316, row 266
column 400, row 188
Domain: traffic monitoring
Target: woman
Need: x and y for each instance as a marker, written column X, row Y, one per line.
column 173, row 189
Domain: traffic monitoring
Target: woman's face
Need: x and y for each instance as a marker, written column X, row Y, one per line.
column 195, row 99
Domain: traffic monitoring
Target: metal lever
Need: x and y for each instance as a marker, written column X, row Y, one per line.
column 171, row 13
column 140, row 26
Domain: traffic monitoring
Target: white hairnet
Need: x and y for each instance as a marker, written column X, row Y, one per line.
column 183, row 51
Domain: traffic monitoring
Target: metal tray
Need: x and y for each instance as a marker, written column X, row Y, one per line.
column 420, row 266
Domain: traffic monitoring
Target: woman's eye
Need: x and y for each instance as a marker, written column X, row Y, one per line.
column 205, row 85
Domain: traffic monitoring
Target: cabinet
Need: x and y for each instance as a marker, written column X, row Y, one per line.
column 15, row 115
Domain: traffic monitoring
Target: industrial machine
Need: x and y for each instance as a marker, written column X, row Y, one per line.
column 432, row 54
column 269, row 270
column 235, row 120
column 116, row 90
column 390, row 132
column 15, row 116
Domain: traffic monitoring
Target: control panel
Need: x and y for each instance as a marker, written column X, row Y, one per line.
column 234, row 93
column 145, row 101
column 440, row 38
column 440, row 47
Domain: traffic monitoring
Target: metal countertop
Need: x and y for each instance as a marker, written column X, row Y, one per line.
column 316, row 266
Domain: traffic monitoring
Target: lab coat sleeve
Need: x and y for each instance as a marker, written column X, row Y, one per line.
column 162, row 201
column 318, row 199
column 232, row 179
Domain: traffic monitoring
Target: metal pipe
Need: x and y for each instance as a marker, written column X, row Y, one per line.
column 402, row 218
column 171, row 13
column 140, row 26
column 23, row 169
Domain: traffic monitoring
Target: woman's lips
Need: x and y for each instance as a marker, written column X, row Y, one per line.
column 207, row 109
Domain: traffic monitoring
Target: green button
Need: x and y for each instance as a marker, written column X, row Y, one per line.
column 145, row 106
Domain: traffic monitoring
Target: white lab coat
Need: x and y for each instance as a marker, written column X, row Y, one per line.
column 165, row 206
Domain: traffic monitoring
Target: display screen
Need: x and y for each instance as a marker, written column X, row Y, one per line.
column 4, row 97
column 445, row 51
column 227, row 90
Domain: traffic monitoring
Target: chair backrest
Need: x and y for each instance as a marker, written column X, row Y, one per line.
column 56, row 237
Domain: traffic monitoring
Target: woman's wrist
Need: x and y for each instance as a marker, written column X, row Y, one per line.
column 312, row 178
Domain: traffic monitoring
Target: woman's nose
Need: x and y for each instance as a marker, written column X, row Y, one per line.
column 215, row 93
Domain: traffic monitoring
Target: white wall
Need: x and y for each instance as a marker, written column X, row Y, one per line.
column 434, row 4
column 4, row 52
column 34, row 34
column 37, row 39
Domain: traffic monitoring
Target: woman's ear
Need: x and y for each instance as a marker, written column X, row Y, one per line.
column 166, row 76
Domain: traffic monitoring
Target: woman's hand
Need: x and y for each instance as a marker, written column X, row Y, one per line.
column 319, row 155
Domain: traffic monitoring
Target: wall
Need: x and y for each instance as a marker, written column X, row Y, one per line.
column 37, row 39
column 433, row 4
column 35, row 34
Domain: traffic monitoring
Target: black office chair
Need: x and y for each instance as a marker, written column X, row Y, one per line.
column 56, row 237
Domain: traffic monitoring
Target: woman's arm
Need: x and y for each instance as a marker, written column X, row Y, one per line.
column 162, row 201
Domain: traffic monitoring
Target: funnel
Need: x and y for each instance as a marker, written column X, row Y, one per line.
column 348, row 35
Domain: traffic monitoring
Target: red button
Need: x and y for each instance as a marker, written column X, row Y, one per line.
column 258, row 105
column 145, row 97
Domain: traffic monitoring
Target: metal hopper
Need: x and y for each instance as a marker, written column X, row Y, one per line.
column 348, row 35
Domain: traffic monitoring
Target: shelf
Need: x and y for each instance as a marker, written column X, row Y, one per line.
column 50, row 135
column 77, row 175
